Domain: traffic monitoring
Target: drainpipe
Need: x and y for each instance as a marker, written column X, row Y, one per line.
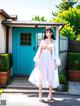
column 7, row 39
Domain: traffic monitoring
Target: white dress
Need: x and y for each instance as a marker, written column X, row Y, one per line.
column 44, row 72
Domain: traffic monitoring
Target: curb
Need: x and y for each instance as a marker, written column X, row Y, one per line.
column 27, row 91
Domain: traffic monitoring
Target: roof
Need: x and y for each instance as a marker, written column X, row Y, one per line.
column 3, row 13
column 34, row 23
column 14, row 17
column 12, row 21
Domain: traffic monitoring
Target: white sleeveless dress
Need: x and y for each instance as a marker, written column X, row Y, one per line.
column 44, row 72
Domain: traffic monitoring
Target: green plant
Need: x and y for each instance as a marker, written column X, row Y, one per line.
column 74, row 61
column 62, row 79
column 5, row 62
column 78, row 37
column 68, row 32
column 1, row 91
column 63, row 82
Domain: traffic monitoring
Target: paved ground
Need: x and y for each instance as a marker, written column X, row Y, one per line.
column 22, row 93
column 74, row 87
column 31, row 99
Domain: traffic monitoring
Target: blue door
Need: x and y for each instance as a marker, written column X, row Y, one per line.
column 25, row 42
column 23, row 51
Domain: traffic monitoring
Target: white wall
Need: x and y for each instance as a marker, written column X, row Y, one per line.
column 2, row 36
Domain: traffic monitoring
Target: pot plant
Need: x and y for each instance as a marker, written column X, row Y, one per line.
column 74, row 67
column 5, row 66
column 62, row 81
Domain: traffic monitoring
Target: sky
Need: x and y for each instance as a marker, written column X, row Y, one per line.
column 26, row 9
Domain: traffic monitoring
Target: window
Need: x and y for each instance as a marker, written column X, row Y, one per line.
column 39, row 37
column 25, row 39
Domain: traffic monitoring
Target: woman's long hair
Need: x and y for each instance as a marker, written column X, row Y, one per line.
column 51, row 30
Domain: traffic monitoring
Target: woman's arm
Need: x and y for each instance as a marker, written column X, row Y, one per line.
column 55, row 55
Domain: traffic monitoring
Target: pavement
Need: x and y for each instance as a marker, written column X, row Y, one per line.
column 20, row 92
column 30, row 98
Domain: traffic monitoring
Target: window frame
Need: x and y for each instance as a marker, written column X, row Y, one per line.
column 25, row 39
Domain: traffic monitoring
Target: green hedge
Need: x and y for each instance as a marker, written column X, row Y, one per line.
column 74, row 61
column 5, row 61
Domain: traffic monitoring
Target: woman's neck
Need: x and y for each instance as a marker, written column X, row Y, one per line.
column 49, row 39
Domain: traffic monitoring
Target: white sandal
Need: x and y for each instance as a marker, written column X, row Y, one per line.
column 50, row 99
column 41, row 99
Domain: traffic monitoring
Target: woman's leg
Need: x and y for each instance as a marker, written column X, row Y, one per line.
column 50, row 92
column 40, row 91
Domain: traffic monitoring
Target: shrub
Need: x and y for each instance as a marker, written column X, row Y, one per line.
column 74, row 61
column 68, row 32
column 78, row 37
column 62, row 79
column 5, row 62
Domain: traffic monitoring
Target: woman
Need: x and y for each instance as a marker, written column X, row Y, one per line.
column 45, row 73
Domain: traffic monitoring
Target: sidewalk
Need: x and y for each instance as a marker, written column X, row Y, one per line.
column 20, row 92
column 31, row 99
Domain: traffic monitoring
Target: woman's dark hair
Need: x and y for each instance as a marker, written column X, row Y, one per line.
column 51, row 30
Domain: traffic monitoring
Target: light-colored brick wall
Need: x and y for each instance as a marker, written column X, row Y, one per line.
column 2, row 36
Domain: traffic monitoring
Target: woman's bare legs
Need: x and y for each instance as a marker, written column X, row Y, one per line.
column 40, row 91
column 50, row 92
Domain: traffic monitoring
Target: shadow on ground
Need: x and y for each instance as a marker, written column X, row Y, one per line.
column 59, row 99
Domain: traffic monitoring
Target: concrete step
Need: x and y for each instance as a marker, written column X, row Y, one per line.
column 23, row 85
column 20, row 83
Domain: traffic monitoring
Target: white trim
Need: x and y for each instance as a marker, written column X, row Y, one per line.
column 57, row 37
column 10, row 43
column 10, row 40
column 57, row 33
column 31, row 26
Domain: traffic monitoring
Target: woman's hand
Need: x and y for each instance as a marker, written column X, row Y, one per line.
column 50, row 48
column 46, row 47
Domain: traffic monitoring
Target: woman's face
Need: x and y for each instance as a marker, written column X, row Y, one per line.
column 49, row 33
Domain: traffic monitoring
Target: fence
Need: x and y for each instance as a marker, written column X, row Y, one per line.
column 74, row 46
column 74, row 86
column 63, row 53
